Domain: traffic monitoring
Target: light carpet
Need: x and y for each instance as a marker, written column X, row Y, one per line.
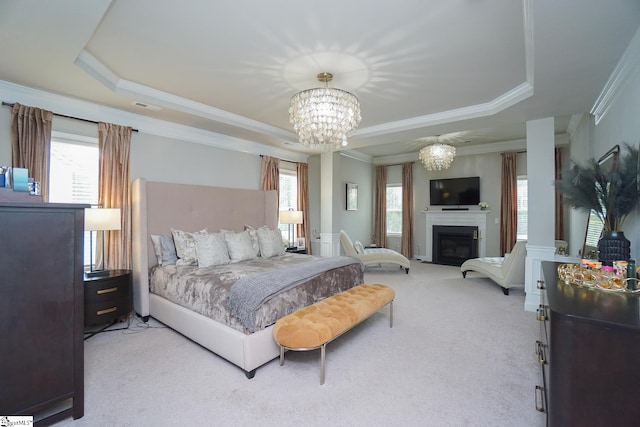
column 460, row 353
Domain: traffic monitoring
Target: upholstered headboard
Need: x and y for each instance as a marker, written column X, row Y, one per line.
column 159, row 206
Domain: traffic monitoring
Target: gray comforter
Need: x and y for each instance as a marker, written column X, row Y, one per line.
column 206, row 290
column 250, row 292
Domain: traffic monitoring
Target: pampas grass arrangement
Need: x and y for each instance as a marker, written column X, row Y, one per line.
column 609, row 192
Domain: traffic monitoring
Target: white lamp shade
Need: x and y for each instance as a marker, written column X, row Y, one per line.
column 98, row 219
column 290, row 217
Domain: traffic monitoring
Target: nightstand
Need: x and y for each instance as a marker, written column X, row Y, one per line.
column 107, row 298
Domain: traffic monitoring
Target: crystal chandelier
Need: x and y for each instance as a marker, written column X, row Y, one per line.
column 324, row 117
column 437, row 156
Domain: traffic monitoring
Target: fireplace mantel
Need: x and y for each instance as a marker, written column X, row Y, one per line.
column 477, row 218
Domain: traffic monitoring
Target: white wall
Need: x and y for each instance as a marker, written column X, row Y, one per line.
column 488, row 168
column 619, row 125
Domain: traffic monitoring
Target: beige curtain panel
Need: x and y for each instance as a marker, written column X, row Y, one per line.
column 304, row 229
column 407, row 210
column 31, row 143
column 114, row 144
column 270, row 176
column 508, row 202
column 380, row 214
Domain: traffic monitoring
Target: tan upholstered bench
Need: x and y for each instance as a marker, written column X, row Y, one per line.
column 315, row 326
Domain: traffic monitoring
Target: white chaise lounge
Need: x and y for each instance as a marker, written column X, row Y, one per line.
column 373, row 256
column 507, row 271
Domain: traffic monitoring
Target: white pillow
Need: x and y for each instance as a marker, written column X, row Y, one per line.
column 240, row 246
column 358, row 247
column 270, row 242
column 186, row 246
column 157, row 248
column 211, row 249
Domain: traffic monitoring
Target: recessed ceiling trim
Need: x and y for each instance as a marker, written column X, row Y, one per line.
column 107, row 77
column 506, row 100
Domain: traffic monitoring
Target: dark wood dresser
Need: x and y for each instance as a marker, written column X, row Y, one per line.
column 593, row 355
column 41, row 310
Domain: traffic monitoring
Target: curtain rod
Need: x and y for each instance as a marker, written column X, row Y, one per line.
column 393, row 164
column 7, row 104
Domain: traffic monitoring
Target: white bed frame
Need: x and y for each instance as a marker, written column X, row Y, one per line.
column 156, row 208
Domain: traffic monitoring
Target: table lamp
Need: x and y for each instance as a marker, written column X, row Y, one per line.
column 100, row 219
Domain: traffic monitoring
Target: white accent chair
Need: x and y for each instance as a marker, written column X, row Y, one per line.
column 507, row 271
column 373, row 256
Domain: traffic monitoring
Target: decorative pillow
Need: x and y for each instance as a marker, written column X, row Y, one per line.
column 254, row 238
column 211, row 249
column 169, row 256
column 270, row 242
column 164, row 249
column 186, row 246
column 240, row 246
column 358, row 247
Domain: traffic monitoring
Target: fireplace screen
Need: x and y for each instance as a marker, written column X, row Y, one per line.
column 453, row 245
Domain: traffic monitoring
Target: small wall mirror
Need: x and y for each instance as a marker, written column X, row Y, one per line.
column 609, row 162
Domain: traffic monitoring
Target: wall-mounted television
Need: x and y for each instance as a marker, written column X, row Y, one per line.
column 454, row 191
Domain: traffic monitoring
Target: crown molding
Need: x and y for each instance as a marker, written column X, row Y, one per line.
column 561, row 139
column 11, row 92
column 629, row 62
column 356, row 155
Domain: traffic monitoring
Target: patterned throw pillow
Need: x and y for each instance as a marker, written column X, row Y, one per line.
column 240, row 246
column 254, row 238
column 358, row 247
column 186, row 246
column 270, row 242
column 211, row 249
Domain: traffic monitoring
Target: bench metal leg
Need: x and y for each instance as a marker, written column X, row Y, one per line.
column 391, row 314
column 322, row 362
column 281, row 355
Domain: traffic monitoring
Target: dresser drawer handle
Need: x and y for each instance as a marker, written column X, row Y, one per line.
column 542, row 358
column 540, row 284
column 107, row 291
column 539, row 398
column 106, row 311
column 542, row 312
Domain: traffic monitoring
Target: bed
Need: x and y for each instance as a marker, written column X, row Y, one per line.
column 159, row 207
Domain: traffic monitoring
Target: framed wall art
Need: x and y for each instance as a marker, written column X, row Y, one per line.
column 352, row 196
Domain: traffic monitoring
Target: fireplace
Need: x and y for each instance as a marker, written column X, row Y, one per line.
column 453, row 245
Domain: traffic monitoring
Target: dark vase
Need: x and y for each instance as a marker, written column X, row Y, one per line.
column 613, row 246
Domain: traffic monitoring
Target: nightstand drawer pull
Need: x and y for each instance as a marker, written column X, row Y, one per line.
column 106, row 291
column 106, row 311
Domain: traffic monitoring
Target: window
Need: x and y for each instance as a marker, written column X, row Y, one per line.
column 522, row 203
column 394, row 209
column 73, row 174
column 288, row 199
